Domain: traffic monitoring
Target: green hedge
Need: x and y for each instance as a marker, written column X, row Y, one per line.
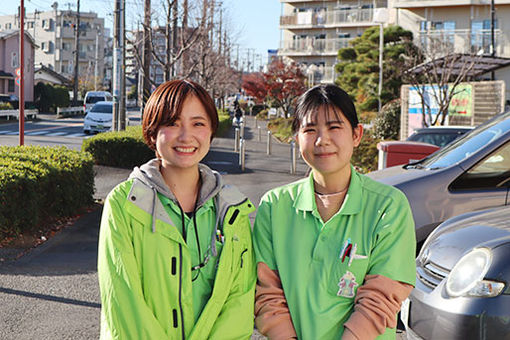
column 38, row 182
column 124, row 149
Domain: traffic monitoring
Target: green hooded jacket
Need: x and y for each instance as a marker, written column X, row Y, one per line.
column 144, row 264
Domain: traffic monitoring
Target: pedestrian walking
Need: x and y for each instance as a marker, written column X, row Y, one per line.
column 334, row 251
column 175, row 254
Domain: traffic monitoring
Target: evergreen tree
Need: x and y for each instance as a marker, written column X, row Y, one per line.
column 359, row 66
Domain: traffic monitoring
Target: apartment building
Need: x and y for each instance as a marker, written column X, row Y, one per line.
column 461, row 26
column 54, row 32
column 134, row 49
column 312, row 32
column 465, row 24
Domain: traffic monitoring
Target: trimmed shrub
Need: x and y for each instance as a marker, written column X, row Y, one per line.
column 224, row 124
column 124, row 149
column 387, row 123
column 37, row 183
column 281, row 128
column 365, row 156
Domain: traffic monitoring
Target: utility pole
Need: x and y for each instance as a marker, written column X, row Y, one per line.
column 21, row 106
column 122, row 106
column 77, row 56
column 119, row 88
column 174, row 36
column 146, row 57
column 493, row 46
column 96, row 60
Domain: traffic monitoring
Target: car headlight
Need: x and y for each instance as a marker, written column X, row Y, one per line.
column 466, row 277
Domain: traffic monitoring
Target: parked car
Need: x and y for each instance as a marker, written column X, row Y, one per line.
column 10, row 99
column 471, row 173
column 462, row 280
column 99, row 118
column 92, row 97
column 438, row 135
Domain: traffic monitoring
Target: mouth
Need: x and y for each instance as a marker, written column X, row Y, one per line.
column 324, row 154
column 185, row 150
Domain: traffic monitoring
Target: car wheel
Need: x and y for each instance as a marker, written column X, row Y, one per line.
column 87, row 132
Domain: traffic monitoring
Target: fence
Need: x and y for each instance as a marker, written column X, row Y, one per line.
column 31, row 114
column 69, row 111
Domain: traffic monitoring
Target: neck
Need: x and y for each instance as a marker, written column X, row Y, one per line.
column 184, row 184
column 331, row 183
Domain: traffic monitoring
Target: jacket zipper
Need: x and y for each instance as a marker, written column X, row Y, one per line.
column 180, row 292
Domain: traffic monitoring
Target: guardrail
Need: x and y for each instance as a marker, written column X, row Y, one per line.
column 31, row 114
column 69, row 111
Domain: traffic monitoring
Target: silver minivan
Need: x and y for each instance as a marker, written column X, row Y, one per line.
column 92, row 97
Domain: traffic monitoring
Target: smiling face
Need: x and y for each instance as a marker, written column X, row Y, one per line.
column 185, row 142
column 327, row 140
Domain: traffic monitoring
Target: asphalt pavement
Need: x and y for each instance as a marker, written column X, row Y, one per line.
column 52, row 293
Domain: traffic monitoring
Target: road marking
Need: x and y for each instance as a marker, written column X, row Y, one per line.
column 81, row 134
column 30, row 133
column 57, row 134
column 218, row 162
column 12, row 133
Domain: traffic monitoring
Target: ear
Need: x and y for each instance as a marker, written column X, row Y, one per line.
column 357, row 134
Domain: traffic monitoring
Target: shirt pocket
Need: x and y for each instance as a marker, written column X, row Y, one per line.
column 347, row 276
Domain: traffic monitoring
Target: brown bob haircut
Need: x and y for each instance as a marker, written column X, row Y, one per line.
column 165, row 105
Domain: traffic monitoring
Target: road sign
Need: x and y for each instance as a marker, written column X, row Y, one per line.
column 18, row 75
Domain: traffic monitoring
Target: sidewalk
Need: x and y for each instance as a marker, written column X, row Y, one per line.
column 52, row 292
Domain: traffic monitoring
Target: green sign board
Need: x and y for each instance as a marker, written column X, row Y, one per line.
column 460, row 104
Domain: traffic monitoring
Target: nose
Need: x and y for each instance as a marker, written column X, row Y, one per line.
column 322, row 137
column 184, row 133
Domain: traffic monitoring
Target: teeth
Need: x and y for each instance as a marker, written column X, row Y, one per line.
column 185, row 149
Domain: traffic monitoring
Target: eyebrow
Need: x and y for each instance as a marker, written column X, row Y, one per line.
column 330, row 122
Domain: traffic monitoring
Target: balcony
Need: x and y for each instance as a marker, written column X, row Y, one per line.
column 443, row 3
column 313, row 46
column 328, row 18
column 65, row 32
column 464, row 41
column 320, row 74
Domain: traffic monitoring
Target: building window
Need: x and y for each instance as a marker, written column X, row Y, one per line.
column 10, row 85
column 8, row 26
column 14, row 59
column 66, row 46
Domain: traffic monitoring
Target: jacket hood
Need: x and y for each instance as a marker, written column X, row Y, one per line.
column 150, row 175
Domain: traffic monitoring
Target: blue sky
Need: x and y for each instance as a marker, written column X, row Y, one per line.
column 255, row 20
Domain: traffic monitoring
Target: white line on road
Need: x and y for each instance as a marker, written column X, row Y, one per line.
column 77, row 135
column 35, row 133
column 57, row 134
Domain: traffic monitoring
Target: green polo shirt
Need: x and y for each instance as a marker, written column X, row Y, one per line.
column 321, row 265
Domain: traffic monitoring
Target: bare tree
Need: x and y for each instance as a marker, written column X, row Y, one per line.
column 196, row 44
column 435, row 69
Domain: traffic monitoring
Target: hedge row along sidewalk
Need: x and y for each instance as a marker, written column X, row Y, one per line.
column 42, row 183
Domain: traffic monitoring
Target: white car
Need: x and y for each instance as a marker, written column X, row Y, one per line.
column 99, row 118
column 93, row 97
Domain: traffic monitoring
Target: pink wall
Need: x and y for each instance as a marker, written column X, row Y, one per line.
column 9, row 45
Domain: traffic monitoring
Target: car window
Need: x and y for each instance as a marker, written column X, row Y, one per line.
column 102, row 108
column 93, row 99
column 469, row 143
column 439, row 139
column 492, row 172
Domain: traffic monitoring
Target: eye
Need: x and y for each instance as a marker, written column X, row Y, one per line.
column 308, row 130
column 199, row 124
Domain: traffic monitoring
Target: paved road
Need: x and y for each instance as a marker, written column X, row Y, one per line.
column 52, row 292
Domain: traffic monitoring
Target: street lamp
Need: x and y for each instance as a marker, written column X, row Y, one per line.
column 380, row 17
